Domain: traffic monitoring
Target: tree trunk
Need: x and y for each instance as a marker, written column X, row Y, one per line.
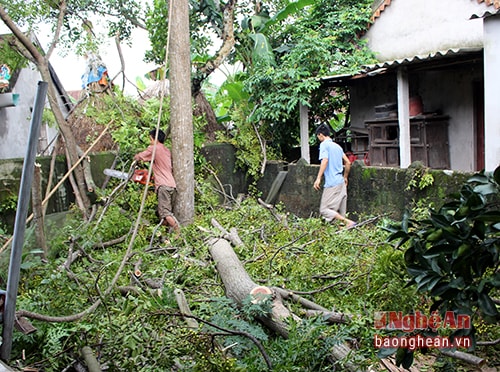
column 203, row 108
column 181, row 115
column 27, row 48
column 69, row 140
column 239, row 286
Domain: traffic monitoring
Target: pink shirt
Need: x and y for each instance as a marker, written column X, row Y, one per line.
column 162, row 166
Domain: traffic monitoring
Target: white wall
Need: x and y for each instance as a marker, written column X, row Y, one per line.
column 419, row 27
column 15, row 121
column 492, row 92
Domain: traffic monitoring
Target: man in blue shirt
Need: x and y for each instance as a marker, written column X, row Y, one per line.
column 333, row 203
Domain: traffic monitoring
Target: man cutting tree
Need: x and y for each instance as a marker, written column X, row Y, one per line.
column 164, row 181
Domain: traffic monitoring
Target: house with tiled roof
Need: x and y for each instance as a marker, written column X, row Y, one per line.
column 433, row 95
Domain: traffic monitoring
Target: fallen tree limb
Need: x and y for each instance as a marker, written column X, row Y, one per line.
column 128, row 289
column 111, row 242
column 231, row 235
column 488, row 343
column 90, row 359
column 330, row 316
column 184, row 308
column 239, row 286
column 301, row 300
column 465, row 357
column 390, row 365
column 270, row 208
column 361, row 223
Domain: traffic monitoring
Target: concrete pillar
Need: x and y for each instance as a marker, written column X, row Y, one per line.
column 491, row 92
column 404, row 118
column 304, row 133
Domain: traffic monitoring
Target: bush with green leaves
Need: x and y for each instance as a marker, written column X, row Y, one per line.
column 453, row 255
column 355, row 272
column 143, row 330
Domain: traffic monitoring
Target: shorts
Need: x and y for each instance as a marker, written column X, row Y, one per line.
column 166, row 196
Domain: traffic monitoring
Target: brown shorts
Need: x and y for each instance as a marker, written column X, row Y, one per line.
column 166, row 197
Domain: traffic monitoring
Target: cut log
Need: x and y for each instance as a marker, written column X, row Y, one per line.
column 137, row 268
column 184, row 308
column 468, row 358
column 236, row 280
column 90, row 359
column 239, row 286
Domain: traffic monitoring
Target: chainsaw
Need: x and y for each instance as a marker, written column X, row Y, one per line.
column 138, row 175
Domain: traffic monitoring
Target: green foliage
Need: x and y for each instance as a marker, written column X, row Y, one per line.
column 205, row 19
column 421, row 178
column 77, row 33
column 10, row 57
column 284, row 48
column 8, row 203
column 143, row 331
column 48, row 118
column 453, row 255
column 285, row 54
column 306, row 348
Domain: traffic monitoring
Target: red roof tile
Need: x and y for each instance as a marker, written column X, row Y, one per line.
column 495, row 3
column 385, row 3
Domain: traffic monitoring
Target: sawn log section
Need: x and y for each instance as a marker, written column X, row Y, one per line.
column 238, row 286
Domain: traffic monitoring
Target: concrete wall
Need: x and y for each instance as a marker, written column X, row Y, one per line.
column 451, row 93
column 492, row 92
column 371, row 191
column 419, row 27
column 10, row 176
column 15, row 121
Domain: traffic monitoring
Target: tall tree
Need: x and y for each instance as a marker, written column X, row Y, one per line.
column 181, row 118
column 211, row 23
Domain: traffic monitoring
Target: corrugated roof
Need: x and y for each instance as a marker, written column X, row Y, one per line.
column 488, row 12
column 427, row 57
column 382, row 67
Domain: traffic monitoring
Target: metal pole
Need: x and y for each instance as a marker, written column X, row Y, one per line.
column 20, row 222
